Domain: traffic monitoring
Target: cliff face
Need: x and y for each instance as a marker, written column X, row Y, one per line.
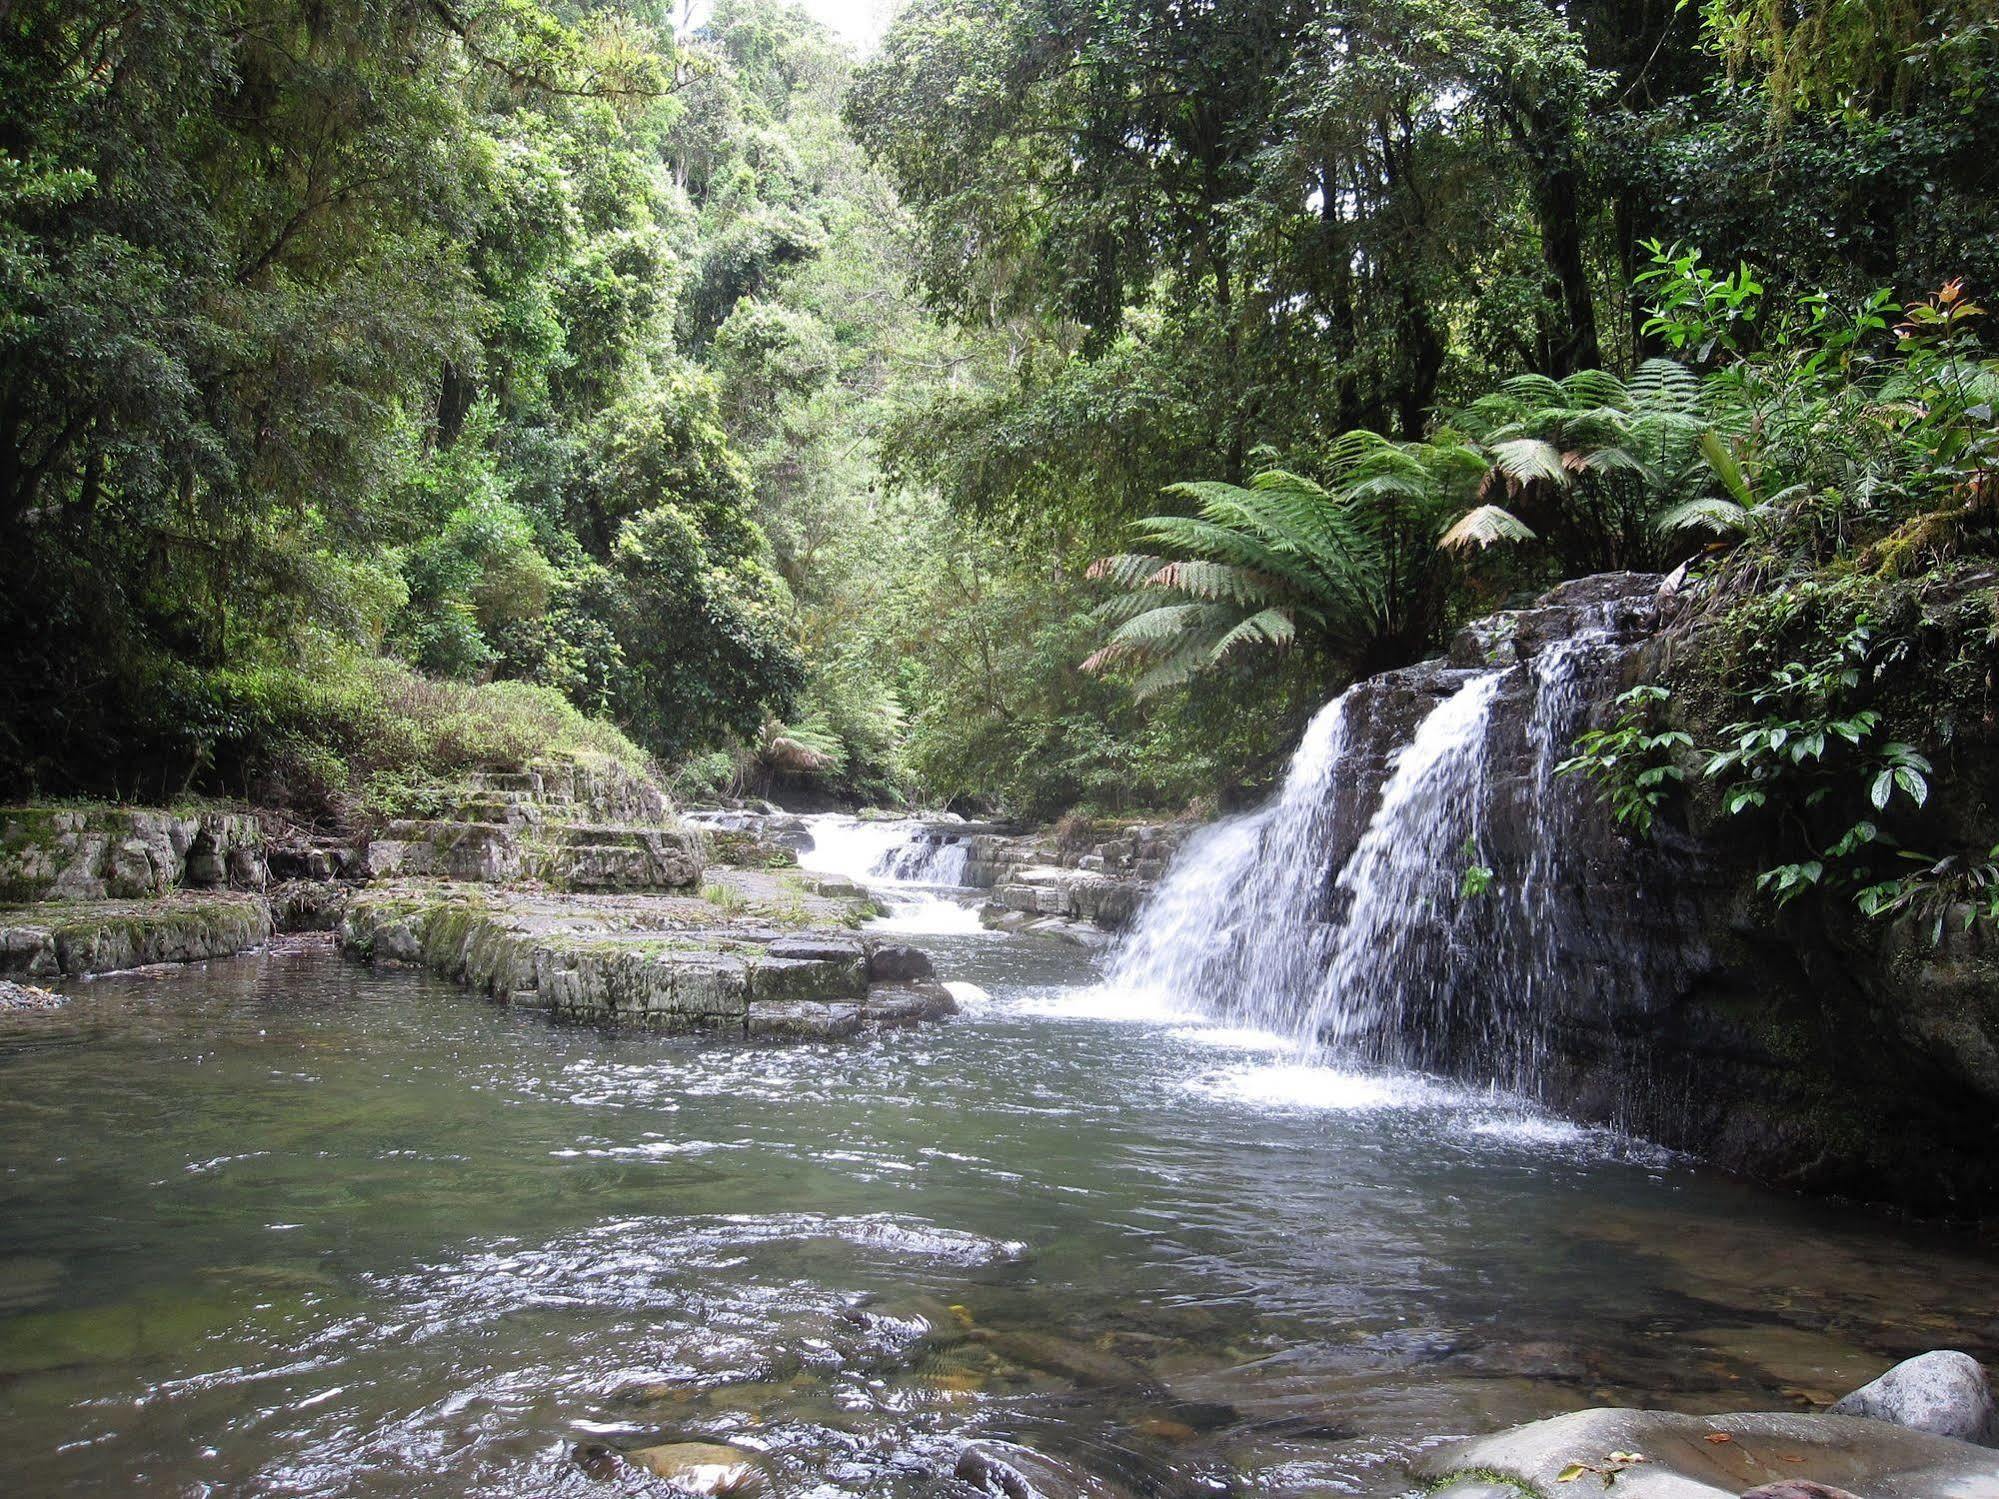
column 1648, row 984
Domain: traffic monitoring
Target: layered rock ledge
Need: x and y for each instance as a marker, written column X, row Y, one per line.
column 757, row 954
column 570, row 886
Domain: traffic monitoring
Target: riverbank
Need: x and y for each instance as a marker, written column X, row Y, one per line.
column 569, row 886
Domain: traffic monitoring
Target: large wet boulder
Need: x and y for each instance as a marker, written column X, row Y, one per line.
column 1945, row 1393
column 1637, row 1454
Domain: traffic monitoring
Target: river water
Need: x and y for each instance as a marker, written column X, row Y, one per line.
column 282, row 1225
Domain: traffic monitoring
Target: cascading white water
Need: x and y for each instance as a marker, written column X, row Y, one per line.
column 926, row 860
column 870, row 852
column 1390, row 955
column 1236, row 926
column 1391, row 963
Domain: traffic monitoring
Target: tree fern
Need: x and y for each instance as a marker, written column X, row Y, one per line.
column 1254, row 566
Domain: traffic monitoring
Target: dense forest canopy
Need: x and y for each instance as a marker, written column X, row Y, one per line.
column 385, row 385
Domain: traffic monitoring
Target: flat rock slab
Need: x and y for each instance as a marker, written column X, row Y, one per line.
column 77, row 938
column 803, row 1020
column 675, row 963
column 1716, row 1457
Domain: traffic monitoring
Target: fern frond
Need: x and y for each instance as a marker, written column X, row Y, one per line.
column 1529, row 458
column 1270, row 626
column 1722, row 517
column 1484, row 526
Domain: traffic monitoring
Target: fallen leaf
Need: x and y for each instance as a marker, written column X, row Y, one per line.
column 1718, row 1437
column 1571, row 1473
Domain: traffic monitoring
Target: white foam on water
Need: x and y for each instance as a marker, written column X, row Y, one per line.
column 1120, row 1004
column 1231, row 1037
column 918, row 914
column 1533, row 1130
column 967, row 994
column 1299, row 1085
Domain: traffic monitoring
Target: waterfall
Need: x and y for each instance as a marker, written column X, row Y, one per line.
column 1235, row 926
column 1402, row 941
column 1340, row 914
column 929, row 859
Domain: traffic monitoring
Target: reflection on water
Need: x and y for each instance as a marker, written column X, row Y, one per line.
column 283, row 1226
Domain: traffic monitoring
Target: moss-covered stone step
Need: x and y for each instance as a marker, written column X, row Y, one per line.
column 594, row 856
column 569, row 856
column 445, row 850
column 76, row 938
column 655, row 965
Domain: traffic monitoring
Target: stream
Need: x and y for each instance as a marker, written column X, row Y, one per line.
column 286, row 1226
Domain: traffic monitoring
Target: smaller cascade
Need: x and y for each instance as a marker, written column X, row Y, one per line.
column 894, row 859
column 1236, row 927
column 929, row 858
column 1400, row 947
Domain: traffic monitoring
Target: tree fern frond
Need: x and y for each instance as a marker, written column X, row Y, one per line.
column 1528, row 458
column 1126, row 570
column 1269, row 626
column 1722, row 517
column 1482, row 527
column 1216, row 581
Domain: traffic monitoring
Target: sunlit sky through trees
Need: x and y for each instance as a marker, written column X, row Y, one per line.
column 860, row 22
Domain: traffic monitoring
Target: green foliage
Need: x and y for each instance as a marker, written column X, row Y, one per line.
column 1632, row 762
column 1249, row 568
column 359, row 319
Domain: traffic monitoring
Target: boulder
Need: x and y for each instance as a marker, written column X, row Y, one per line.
column 896, row 1005
column 1664, row 1455
column 894, row 963
column 704, row 1467
column 1945, row 1393
column 802, row 1020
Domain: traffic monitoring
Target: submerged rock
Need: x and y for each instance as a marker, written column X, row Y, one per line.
column 1663, row 1455
column 704, row 1467
column 1022, row 1473
column 26, row 998
column 1945, row 1393
column 1087, row 1366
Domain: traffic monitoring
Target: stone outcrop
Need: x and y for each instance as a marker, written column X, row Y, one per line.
column 72, row 939
column 564, row 824
column 1076, row 874
column 767, row 961
column 125, row 853
column 1808, row 1046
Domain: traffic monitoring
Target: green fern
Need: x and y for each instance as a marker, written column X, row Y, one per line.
column 1253, row 567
